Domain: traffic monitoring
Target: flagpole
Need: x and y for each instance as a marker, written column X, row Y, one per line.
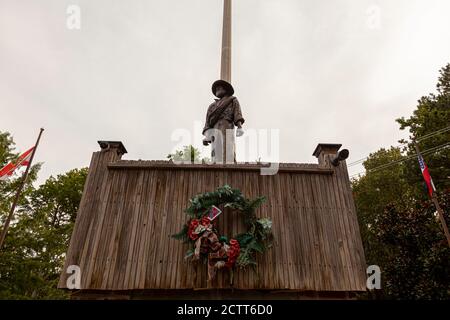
column 19, row 190
column 441, row 217
column 436, row 203
column 225, row 62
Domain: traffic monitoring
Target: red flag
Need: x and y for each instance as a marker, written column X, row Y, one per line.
column 426, row 176
column 23, row 160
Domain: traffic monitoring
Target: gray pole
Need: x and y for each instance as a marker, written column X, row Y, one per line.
column 436, row 204
column 225, row 68
column 19, row 190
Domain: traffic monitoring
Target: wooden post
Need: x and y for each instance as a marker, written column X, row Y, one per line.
column 441, row 217
column 91, row 212
column 19, row 190
column 436, row 204
column 225, row 68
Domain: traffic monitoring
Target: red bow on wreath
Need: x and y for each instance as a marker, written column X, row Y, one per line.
column 206, row 241
column 196, row 227
column 233, row 253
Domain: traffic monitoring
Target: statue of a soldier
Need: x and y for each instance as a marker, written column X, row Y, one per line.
column 222, row 116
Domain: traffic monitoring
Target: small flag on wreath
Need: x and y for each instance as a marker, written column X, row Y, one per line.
column 214, row 213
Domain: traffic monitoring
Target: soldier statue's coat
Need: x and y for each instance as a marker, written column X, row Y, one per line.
column 223, row 114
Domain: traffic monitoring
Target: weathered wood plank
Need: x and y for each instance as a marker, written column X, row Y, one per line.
column 122, row 235
column 164, row 165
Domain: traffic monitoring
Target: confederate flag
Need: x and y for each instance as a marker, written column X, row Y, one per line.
column 23, row 160
column 426, row 176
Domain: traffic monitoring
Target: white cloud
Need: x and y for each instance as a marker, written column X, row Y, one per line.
column 136, row 71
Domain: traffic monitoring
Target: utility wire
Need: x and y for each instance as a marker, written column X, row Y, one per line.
column 386, row 165
column 410, row 157
column 432, row 134
column 429, row 135
column 351, row 164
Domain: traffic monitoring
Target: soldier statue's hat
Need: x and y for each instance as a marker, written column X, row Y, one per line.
column 224, row 84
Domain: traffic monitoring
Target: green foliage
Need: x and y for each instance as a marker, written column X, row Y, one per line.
column 244, row 238
column 189, row 254
column 259, row 232
column 33, row 255
column 8, row 188
column 373, row 192
column 188, row 154
column 443, row 85
column 246, row 258
column 418, row 263
column 6, row 148
column 432, row 113
column 32, row 258
column 182, row 235
column 399, row 229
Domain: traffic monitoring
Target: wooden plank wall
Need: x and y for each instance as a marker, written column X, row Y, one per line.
column 121, row 239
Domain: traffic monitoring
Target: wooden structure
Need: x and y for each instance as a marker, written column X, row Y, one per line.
column 121, row 239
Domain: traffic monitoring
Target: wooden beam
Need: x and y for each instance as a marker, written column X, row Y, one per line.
column 313, row 169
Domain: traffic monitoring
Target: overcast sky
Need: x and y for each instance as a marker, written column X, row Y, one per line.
column 320, row 71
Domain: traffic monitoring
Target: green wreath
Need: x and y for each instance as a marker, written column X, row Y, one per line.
column 219, row 252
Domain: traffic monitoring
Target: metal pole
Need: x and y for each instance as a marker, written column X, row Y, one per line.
column 441, row 218
column 225, row 68
column 436, row 203
column 19, row 190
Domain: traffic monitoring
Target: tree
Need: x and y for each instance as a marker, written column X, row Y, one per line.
column 432, row 113
column 6, row 148
column 417, row 265
column 373, row 192
column 399, row 227
column 33, row 254
column 189, row 153
column 8, row 188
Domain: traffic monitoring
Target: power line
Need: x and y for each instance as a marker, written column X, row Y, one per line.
column 386, row 165
column 429, row 135
column 362, row 160
column 410, row 157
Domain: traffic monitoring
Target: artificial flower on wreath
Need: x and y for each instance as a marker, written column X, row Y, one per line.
column 205, row 240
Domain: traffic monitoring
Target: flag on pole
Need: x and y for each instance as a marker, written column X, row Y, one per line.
column 23, row 160
column 426, row 176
